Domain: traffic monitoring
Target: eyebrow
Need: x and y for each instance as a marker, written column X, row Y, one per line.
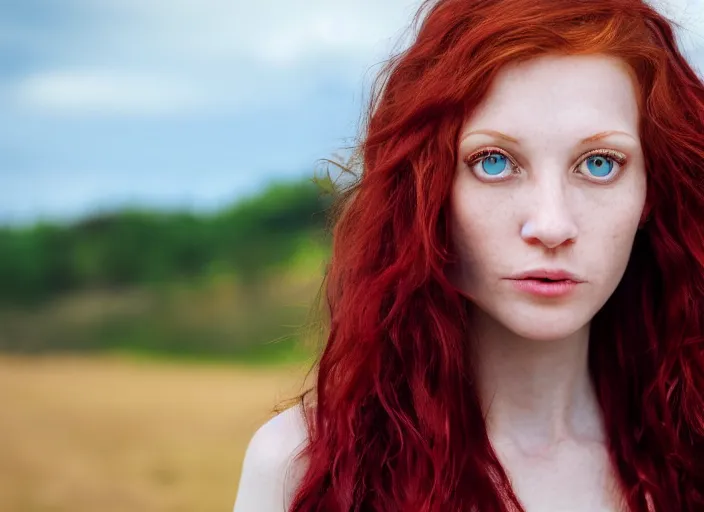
column 592, row 138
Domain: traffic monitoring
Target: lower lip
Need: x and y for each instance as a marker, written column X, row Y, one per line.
column 545, row 288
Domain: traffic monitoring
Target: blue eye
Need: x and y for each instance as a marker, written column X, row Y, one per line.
column 599, row 165
column 494, row 164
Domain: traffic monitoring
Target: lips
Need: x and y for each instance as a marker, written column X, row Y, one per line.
column 548, row 283
column 548, row 275
column 545, row 288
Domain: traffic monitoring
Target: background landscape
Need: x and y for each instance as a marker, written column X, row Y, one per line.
column 163, row 232
column 140, row 350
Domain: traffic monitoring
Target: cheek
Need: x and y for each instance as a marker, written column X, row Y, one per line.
column 609, row 245
column 609, row 223
column 479, row 230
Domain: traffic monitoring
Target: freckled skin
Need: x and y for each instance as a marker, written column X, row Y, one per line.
column 543, row 418
column 580, row 224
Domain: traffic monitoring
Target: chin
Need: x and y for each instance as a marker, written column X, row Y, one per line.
column 546, row 332
column 548, row 322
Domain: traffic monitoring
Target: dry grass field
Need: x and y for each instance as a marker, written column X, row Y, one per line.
column 108, row 435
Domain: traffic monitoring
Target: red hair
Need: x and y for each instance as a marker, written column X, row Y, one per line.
column 397, row 423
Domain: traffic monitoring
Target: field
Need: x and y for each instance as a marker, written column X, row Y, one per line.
column 114, row 434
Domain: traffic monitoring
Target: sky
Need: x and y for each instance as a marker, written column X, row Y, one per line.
column 190, row 103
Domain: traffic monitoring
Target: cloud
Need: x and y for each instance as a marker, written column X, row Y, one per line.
column 120, row 92
column 106, row 92
column 171, row 57
column 159, row 57
column 272, row 31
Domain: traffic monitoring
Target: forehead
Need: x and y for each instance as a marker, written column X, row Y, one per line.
column 565, row 95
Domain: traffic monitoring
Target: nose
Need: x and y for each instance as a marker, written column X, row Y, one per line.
column 550, row 221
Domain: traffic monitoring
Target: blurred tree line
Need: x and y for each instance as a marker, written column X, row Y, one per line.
column 132, row 248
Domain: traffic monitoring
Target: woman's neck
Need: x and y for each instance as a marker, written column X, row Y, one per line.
column 535, row 394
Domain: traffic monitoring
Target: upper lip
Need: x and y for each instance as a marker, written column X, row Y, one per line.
column 547, row 273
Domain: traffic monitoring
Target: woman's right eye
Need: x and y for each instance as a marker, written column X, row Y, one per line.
column 490, row 164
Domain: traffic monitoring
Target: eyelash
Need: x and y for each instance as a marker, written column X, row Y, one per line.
column 615, row 156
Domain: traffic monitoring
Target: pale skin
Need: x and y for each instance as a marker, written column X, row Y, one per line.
column 541, row 411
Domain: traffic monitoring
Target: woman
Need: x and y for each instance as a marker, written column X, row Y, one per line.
column 516, row 292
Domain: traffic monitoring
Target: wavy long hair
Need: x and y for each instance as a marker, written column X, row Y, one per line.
column 394, row 417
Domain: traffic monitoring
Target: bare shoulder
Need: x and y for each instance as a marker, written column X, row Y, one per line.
column 269, row 472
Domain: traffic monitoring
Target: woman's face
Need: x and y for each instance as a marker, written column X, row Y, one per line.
column 581, row 196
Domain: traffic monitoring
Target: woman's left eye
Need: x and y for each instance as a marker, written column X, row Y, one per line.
column 601, row 164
